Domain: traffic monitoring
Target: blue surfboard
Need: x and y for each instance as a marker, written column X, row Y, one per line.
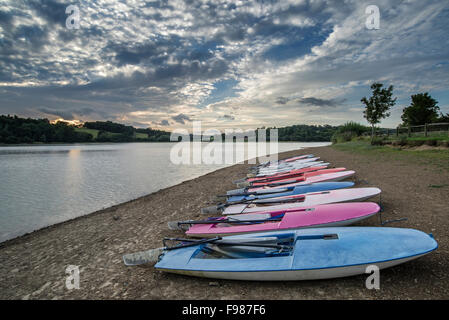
column 306, row 188
column 318, row 253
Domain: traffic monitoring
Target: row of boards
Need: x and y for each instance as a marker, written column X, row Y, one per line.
column 287, row 221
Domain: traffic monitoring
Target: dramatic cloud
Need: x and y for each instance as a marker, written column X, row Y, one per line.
column 227, row 117
column 321, row 102
column 243, row 63
column 282, row 100
column 180, row 118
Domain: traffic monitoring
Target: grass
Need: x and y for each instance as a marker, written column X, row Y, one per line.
column 93, row 132
column 140, row 135
column 439, row 137
column 437, row 157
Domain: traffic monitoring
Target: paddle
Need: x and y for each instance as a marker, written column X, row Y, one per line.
column 276, row 184
column 299, row 198
column 152, row 255
column 276, row 170
column 245, row 192
column 291, row 174
column 219, row 207
column 177, row 225
column 270, row 183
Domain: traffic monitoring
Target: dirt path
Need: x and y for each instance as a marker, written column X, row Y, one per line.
column 33, row 266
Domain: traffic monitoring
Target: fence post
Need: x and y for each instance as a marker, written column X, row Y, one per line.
column 409, row 131
column 397, row 131
column 425, row 129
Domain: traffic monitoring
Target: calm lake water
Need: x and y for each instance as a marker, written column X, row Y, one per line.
column 43, row 185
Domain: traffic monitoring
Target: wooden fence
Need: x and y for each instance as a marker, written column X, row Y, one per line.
column 425, row 130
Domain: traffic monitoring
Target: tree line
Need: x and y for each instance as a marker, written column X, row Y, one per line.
column 306, row 133
column 124, row 133
column 20, row 130
column 16, row 130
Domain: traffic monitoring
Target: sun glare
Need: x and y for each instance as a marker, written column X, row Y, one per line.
column 70, row 122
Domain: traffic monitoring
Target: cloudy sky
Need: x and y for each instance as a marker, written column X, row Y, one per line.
column 230, row 64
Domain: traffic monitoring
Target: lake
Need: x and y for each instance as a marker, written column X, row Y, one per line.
column 46, row 184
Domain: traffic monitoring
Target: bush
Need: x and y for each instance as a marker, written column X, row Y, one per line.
column 415, row 143
column 349, row 131
column 402, row 141
column 353, row 127
column 342, row 137
column 377, row 141
column 347, row 136
column 431, row 142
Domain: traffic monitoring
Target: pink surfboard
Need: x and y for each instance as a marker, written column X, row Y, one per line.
column 303, row 200
column 298, row 178
column 336, row 176
column 329, row 215
column 292, row 173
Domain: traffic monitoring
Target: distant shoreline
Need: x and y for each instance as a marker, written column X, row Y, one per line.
column 104, row 143
column 76, row 143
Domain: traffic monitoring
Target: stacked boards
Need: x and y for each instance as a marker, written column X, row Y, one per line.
column 288, row 220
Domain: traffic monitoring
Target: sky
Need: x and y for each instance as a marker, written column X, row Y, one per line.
column 228, row 64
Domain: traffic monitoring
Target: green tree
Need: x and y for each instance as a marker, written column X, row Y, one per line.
column 378, row 105
column 423, row 110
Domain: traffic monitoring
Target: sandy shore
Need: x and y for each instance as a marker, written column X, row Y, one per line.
column 33, row 266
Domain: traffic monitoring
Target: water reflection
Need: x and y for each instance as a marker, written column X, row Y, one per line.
column 43, row 185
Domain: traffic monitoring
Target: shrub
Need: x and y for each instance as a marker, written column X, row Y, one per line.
column 347, row 136
column 376, row 141
column 431, row 142
column 402, row 141
column 349, row 131
column 442, row 143
column 353, row 127
column 342, row 137
column 415, row 143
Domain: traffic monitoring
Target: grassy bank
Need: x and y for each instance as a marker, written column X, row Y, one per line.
column 424, row 155
column 353, row 131
column 94, row 133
